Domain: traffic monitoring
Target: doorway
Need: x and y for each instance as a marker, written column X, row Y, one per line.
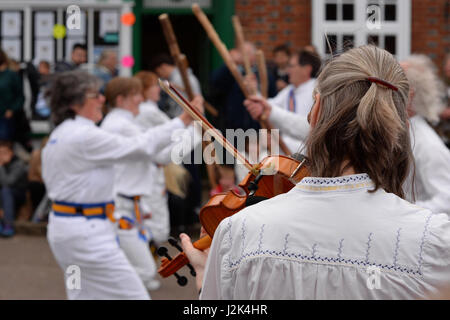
column 191, row 38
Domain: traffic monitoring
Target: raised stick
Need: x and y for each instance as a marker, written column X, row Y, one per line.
column 262, row 70
column 221, row 48
column 240, row 39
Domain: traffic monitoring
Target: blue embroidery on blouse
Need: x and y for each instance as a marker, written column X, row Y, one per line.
column 340, row 248
column 368, row 247
column 314, row 251
column 397, row 242
column 425, row 229
column 286, row 240
column 318, row 258
column 336, row 181
column 230, row 240
column 261, row 234
column 243, row 236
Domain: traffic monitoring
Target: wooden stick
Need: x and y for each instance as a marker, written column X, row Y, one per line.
column 262, row 70
column 240, row 40
column 221, row 48
column 214, row 37
column 179, row 58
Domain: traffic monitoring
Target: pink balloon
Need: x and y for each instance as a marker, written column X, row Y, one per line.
column 128, row 61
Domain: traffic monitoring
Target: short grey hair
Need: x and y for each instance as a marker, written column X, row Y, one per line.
column 69, row 89
column 428, row 89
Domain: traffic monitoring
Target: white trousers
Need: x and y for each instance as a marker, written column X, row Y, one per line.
column 135, row 247
column 159, row 224
column 94, row 266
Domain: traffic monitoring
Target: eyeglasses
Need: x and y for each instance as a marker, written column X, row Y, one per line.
column 94, row 95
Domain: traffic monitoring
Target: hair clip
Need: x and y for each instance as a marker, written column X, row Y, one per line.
column 382, row 82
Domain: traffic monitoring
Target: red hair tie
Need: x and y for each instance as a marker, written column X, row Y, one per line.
column 383, row 83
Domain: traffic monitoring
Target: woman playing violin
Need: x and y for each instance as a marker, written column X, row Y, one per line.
column 345, row 231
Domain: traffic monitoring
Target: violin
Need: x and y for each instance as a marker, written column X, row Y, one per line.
column 274, row 175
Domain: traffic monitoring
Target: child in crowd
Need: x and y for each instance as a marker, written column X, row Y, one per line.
column 226, row 180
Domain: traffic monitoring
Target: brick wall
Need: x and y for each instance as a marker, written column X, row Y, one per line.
column 430, row 28
column 269, row 23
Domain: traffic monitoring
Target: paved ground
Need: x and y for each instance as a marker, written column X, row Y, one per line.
column 29, row 271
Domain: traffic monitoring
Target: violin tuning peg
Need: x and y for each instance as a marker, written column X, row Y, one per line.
column 163, row 252
column 174, row 243
column 192, row 270
column 181, row 280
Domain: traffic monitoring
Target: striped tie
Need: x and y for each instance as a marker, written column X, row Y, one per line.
column 291, row 105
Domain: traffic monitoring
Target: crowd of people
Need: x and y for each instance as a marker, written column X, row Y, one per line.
column 375, row 133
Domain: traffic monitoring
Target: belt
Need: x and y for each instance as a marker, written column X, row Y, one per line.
column 92, row 210
column 137, row 209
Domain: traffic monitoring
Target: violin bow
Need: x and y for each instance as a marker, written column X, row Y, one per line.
column 206, row 125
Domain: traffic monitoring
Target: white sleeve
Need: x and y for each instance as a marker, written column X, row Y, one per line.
column 214, row 270
column 433, row 170
column 289, row 123
column 164, row 156
column 106, row 148
column 280, row 99
column 436, row 249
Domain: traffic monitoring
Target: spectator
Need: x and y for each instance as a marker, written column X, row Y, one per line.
column 36, row 185
column 78, row 57
column 44, row 68
column 106, row 68
column 164, row 66
column 281, row 56
column 42, row 109
column 13, row 182
column 444, row 125
column 226, row 180
column 11, row 98
column 29, row 78
column 431, row 157
column 225, row 86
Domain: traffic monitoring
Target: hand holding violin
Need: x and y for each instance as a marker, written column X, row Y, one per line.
column 196, row 257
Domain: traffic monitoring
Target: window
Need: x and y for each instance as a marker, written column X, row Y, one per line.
column 43, row 43
column 350, row 23
column 11, row 32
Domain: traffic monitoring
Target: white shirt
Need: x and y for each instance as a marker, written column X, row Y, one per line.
column 432, row 167
column 318, row 240
column 77, row 162
column 175, row 78
column 150, row 115
column 303, row 103
column 295, row 127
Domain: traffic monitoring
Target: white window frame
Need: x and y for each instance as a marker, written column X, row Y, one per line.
column 401, row 28
column 28, row 6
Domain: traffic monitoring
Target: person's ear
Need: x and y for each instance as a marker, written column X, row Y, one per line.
column 315, row 111
column 76, row 108
column 409, row 105
column 309, row 70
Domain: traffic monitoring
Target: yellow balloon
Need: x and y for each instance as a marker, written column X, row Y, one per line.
column 59, row 31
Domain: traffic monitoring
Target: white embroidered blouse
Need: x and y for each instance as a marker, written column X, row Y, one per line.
column 329, row 238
